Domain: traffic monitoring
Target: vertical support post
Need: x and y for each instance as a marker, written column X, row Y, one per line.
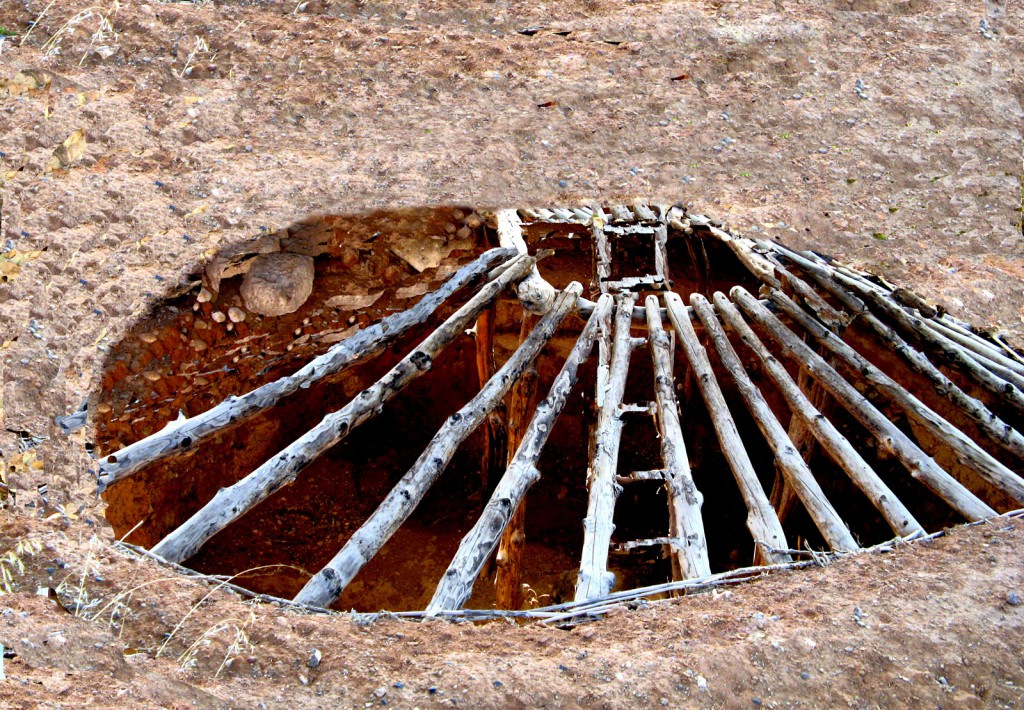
column 508, row 584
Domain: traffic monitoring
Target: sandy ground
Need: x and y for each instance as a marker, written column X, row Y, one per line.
column 138, row 139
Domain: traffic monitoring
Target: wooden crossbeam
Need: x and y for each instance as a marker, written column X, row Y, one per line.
column 183, row 435
column 234, row 501
column 792, row 465
column 889, row 436
column 686, row 523
column 762, row 520
column 456, row 584
column 595, row 580
column 965, row 449
column 327, row 585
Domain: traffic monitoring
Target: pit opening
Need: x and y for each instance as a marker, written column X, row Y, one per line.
column 194, row 349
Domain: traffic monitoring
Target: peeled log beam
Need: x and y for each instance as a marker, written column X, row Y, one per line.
column 792, row 465
column 977, row 345
column 888, row 435
column 534, row 292
column 602, row 252
column 762, row 521
column 913, row 327
column 966, row 451
column 977, row 353
column 327, row 585
column 994, row 428
column 233, row 502
column 690, row 545
column 177, row 437
column 595, row 580
column 838, row 447
column 476, row 547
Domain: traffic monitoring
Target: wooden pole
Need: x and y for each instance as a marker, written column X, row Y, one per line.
column 456, row 585
column 602, row 252
column 990, row 425
column 182, row 435
column 661, row 252
column 495, row 431
column 838, row 447
column 327, row 585
column 534, row 292
column 234, row 501
column 508, row 588
column 913, row 327
column 792, row 465
column 966, row 451
column 595, row 580
column 684, row 499
column 763, row 523
column 889, row 436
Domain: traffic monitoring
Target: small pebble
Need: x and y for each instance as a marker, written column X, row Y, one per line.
column 236, row 315
column 218, row 317
column 1013, row 599
column 204, row 296
column 314, row 658
column 147, row 338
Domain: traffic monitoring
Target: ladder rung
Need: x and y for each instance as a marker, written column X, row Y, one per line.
column 637, row 283
column 654, row 541
column 644, row 408
column 657, row 475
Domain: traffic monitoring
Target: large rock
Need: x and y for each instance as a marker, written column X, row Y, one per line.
column 278, row 284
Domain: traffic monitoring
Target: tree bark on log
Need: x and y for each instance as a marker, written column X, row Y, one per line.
column 508, row 589
column 966, row 451
column 990, row 425
column 180, row 436
column 327, row 585
column 595, row 580
column 685, row 501
column 476, row 547
column 763, row 523
column 234, row 501
column 899, row 518
column 889, row 437
column 825, row 517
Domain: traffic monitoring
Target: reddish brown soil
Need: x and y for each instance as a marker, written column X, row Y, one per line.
column 748, row 111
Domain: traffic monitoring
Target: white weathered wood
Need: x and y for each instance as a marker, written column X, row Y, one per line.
column 900, row 519
column 990, row 425
column 602, row 252
column 661, row 253
column 965, row 449
column 981, row 353
column 793, row 467
column 324, row 588
column 534, row 292
column 762, row 521
column 456, row 584
column 234, row 501
column 595, row 580
column 888, row 435
column 976, row 344
column 684, row 499
column 913, row 327
column 185, row 434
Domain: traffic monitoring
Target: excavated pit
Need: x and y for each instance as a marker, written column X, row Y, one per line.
column 192, row 351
